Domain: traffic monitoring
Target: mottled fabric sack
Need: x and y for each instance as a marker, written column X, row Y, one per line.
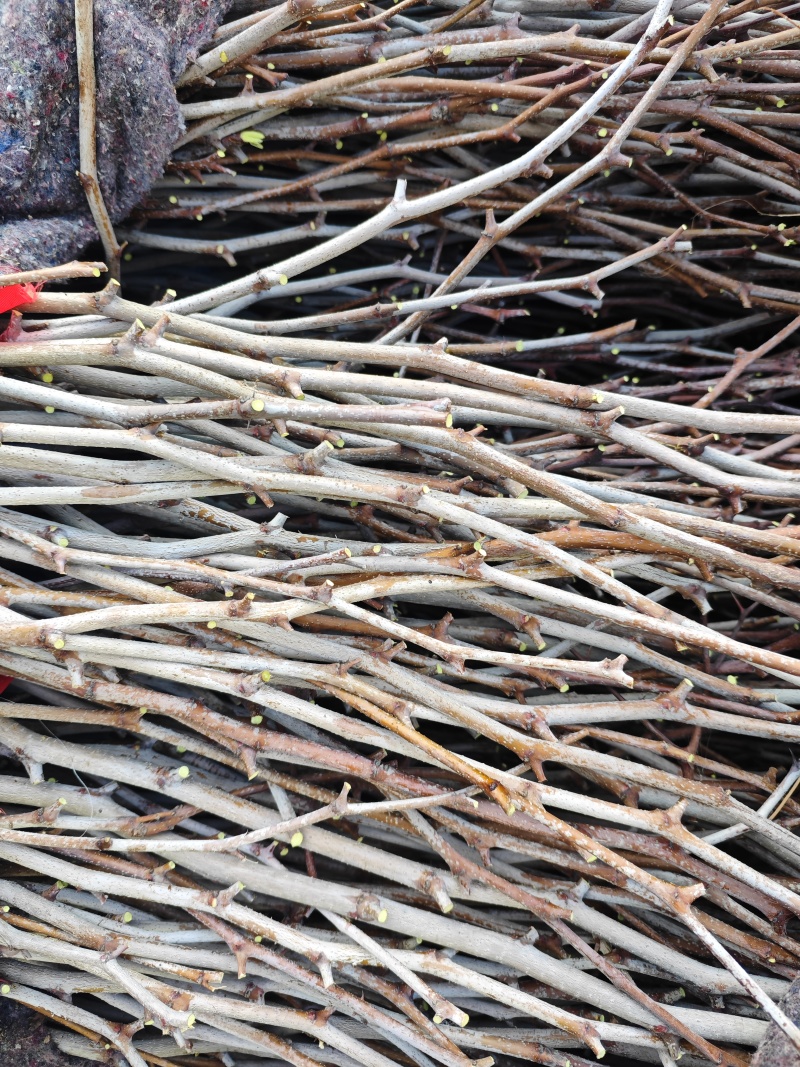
column 776, row 1050
column 141, row 46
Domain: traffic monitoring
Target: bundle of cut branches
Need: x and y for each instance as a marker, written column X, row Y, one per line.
column 589, row 134
column 374, row 699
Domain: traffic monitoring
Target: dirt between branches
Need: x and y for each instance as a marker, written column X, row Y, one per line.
column 26, row 1041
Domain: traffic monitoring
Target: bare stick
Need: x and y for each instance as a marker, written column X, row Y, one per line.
column 87, row 123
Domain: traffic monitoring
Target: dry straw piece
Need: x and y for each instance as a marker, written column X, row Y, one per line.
column 388, row 688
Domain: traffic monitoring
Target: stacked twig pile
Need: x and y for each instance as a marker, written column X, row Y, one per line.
column 593, row 134
column 373, row 702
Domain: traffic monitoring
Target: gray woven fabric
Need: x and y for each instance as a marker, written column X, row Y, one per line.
column 141, row 46
column 776, row 1050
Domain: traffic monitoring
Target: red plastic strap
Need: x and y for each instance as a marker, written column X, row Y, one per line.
column 13, row 296
column 5, row 682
